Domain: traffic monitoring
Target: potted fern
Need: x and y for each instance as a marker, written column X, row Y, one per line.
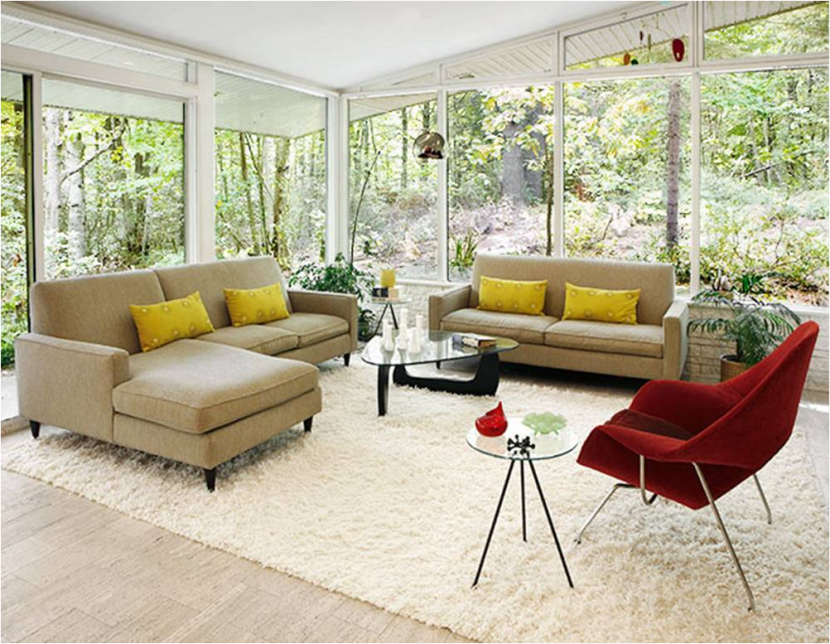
column 755, row 326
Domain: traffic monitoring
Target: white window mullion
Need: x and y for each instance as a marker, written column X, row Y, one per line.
column 343, row 217
column 442, row 235
column 694, row 251
column 558, row 169
column 201, row 213
column 332, row 183
column 38, row 236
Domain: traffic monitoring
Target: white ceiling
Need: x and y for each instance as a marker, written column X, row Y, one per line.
column 336, row 44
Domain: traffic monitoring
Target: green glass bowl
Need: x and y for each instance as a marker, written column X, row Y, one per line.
column 545, row 423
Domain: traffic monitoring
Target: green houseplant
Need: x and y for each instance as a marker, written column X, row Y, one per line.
column 755, row 326
column 338, row 277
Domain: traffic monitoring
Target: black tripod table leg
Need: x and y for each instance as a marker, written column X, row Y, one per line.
column 493, row 526
column 550, row 523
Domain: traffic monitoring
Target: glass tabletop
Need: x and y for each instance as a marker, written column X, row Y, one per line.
column 438, row 346
column 545, row 446
column 386, row 300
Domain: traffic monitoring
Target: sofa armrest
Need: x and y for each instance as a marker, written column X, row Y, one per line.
column 69, row 383
column 675, row 340
column 444, row 303
column 341, row 305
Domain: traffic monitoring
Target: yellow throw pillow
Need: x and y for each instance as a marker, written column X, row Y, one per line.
column 598, row 305
column 508, row 296
column 160, row 324
column 256, row 305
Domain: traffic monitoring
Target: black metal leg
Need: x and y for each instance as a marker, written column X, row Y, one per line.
column 550, row 522
column 394, row 319
column 484, row 383
column 35, row 427
column 524, row 519
column 347, row 358
column 383, row 389
column 210, row 479
column 380, row 319
column 493, row 526
column 307, row 423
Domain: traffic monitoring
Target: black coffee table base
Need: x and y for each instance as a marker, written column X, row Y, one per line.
column 524, row 521
column 484, row 383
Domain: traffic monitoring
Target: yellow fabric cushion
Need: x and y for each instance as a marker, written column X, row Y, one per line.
column 509, row 296
column 256, row 305
column 160, row 324
column 599, row 305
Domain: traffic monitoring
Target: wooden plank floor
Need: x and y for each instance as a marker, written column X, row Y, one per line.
column 73, row 570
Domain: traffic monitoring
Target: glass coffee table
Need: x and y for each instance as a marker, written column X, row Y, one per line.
column 437, row 347
column 519, row 444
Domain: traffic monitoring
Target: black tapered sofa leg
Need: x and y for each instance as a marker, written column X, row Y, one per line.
column 347, row 358
column 210, row 478
column 35, row 427
column 307, row 423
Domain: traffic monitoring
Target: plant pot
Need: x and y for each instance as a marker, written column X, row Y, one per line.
column 730, row 367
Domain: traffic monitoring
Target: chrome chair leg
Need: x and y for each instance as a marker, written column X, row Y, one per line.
column 594, row 514
column 735, row 561
column 643, row 494
column 763, row 498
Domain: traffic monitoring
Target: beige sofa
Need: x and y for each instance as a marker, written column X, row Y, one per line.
column 199, row 401
column 654, row 348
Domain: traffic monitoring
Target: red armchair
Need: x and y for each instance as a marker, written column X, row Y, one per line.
column 693, row 443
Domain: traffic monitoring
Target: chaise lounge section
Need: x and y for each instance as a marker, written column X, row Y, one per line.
column 200, row 401
column 655, row 347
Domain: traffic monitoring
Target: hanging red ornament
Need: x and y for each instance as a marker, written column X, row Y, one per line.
column 678, row 49
column 626, row 58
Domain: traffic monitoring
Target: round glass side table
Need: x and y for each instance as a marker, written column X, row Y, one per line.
column 389, row 305
column 519, row 444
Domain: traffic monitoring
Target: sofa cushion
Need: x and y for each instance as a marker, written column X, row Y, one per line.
column 210, row 278
column 522, row 328
column 604, row 337
column 312, row 328
column 254, row 337
column 196, row 386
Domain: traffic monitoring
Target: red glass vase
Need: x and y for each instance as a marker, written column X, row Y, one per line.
column 493, row 423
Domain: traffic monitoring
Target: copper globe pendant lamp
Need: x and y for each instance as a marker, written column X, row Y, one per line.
column 429, row 146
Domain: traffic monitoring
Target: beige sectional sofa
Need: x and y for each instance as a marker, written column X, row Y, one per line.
column 654, row 348
column 200, row 401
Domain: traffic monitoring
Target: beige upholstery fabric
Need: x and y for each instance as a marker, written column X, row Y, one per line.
column 444, row 303
column 196, row 386
column 338, row 304
column 68, row 383
column 311, row 328
column 210, row 278
column 95, row 308
column 612, row 364
column 325, row 350
column 676, row 341
column 630, row 339
column 522, row 328
column 212, row 448
column 254, row 337
column 655, row 280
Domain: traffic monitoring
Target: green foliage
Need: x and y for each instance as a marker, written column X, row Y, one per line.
column 464, row 250
column 338, row 277
column 757, row 327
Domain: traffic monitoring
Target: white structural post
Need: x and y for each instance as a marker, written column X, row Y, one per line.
column 343, row 211
column 558, row 170
column 38, row 219
column 332, row 183
column 201, row 212
column 694, row 279
column 442, row 236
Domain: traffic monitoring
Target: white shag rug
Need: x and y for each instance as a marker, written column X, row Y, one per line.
column 395, row 511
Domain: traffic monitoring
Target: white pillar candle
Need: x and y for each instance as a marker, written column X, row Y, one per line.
column 403, row 319
column 388, row 336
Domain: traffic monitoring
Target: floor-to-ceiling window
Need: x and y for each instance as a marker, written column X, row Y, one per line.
column 501, row 172
column 15, row 220
column 392, row 194
column 764, row 212
column 270, row 162
column 113, row 180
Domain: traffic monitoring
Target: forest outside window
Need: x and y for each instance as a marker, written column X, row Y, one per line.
column 392, row 194
column 113, row 180
column 270, row 158
column 627, row 171
column 743, row 29
column 500, row 174
column 764, row 194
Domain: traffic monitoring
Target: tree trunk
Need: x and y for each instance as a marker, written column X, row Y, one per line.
column 252, row 224
column 76, row 226
column 269, row 152
column 404, row 148
column 278, row 246
column 532, row 170
column 52, row 180
column 673, row 164
column 549, row 176
column 513, row 166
